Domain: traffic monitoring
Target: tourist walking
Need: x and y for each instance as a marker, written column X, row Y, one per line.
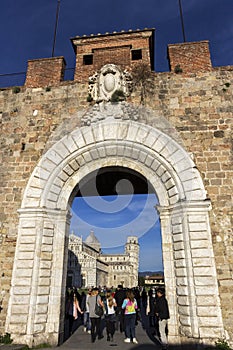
column 95, row 319
column 137, row 296
column 162, row 312
column 110, row 315
column 85, row 309
column 151, row 308
column 144, row 299
column 72, row 309
column 130, row 306
column 119, row 296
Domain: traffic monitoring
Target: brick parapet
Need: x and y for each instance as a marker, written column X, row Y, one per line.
column 45, row 72
column 190, row 57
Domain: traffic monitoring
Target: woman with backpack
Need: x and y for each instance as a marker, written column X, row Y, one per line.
column 94, row 299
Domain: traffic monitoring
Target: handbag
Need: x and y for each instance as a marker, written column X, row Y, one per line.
column 99, row 311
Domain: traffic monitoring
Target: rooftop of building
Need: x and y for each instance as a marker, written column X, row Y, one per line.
column 129, row 31
column 92, row 239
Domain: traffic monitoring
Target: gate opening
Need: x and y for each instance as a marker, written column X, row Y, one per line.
column 110, row 205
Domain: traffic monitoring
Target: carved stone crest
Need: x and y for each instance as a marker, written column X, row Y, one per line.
column 110, row 78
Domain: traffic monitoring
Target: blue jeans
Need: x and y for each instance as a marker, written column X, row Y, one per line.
column 87, row 321
column 130, row 320
column 120, row 319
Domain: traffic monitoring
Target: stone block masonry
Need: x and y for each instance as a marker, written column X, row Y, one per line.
column 193, row 109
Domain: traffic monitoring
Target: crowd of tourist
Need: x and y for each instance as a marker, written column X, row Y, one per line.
column 121, row 309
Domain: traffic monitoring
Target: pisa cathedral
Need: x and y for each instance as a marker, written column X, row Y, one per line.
column 167, row 133
column 89, row 267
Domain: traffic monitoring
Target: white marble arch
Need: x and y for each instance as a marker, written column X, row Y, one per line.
column 36, row 304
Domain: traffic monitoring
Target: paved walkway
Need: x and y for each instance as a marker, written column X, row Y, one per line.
column 81, row 340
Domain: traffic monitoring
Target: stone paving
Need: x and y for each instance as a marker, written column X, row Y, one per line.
column 82, row 340
column 146, row 338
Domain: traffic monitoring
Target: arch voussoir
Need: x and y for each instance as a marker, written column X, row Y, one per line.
column 78, row 138
column 70, row 143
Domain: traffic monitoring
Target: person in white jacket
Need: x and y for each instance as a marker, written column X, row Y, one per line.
column 110, row 315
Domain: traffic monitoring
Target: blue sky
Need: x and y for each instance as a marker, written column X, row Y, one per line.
column 27, row 28
column 113, row 218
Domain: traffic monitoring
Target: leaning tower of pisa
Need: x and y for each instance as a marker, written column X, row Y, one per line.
column 132, row 250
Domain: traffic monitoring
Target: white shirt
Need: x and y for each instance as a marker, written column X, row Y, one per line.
column 111, row 309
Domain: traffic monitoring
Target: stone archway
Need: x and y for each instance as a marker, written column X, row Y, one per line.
column 36, row 305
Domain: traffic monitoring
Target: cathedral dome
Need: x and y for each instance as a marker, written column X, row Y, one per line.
column 93, row 241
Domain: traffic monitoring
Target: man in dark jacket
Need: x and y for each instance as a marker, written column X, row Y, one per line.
column 162, row 312
column 119, row 296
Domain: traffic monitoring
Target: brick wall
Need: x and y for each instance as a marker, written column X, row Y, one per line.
column 191, row 57
column 116, row 51
column 45, row 72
